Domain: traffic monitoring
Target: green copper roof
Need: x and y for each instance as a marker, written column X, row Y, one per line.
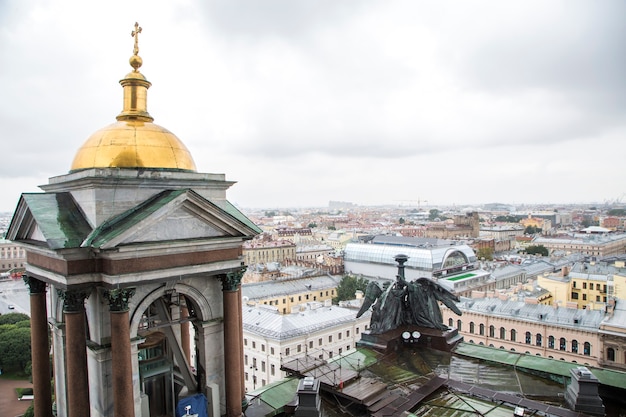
column 234, row 211
column 59, row 218
column 538, row 363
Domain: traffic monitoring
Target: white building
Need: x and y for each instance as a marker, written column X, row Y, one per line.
column 321, row 330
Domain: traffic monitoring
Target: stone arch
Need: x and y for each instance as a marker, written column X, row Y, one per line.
column 200, row 302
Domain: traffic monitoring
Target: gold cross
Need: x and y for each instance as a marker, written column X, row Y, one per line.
column 135, row 34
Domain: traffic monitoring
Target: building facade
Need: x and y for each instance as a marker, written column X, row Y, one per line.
column 559, row 333
column 12, row 255
column 318, row 330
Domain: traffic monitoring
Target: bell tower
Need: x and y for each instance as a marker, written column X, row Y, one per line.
column 134, row 263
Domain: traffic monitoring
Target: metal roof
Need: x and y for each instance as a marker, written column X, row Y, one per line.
column 269, row 323
column 280, row 288
column 564, row 317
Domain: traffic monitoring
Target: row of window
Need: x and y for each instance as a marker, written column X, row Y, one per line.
column 603, row 289
column 306, row 297
column 320, row 342
column 9, row 266
column 598, row 298
column 528, row 337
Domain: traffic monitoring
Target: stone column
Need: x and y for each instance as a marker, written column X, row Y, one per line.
column 232, row 342
column 122, row 369
column 76, row 352
column 40, row 351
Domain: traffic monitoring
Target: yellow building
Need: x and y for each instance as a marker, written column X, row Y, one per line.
column 288, row 295
column 266, row 250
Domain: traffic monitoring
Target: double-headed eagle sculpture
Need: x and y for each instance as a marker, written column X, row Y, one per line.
column 402, row 303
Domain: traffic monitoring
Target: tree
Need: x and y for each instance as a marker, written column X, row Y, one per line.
column 15, row 348
column 537, row 249
column 348, row 286
column 13, row 318
column 433, row 214
column 401, row 221
column 531, row 230
column 486, row 253
column 312, row 225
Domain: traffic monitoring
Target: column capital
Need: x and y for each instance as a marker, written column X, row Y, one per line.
column 73, row 300
column 232, row 279
column 36, row 286
column 119, row 299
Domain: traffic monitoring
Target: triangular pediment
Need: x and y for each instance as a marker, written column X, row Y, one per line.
column 53, row 220
column 171, row 215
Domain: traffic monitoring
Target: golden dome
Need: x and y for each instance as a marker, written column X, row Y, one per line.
column 134, row 141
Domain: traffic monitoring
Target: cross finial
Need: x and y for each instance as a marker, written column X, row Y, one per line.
column 135, row 34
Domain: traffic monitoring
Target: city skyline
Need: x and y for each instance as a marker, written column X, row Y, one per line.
column 373, row 103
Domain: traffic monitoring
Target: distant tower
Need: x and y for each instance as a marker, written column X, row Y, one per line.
column 126, row 251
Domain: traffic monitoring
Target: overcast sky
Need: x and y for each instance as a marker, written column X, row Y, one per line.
column 302, row 102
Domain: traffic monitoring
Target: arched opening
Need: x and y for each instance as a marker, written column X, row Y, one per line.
column 610, row 354
column 171, row 352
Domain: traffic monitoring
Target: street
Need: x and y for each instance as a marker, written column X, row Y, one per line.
column 14, row 292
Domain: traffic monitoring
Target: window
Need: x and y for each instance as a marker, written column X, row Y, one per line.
column 347, row 333
column 319, row 342
column 528, row 338
column 245, row 359
column 587, row 349
column 513, row 335
column 273, row 369
column 271, row 351
column 340, row 350
column 472, row 327
column 459, row 325
column 538, row 339
column 598, row 298
column 492, row 331
column 262, row 366
column 584, row 285
column 330, row 338
column 253, row 345
column 573, row 284
column 574, row 295
column 356, row 330
column 482, row 329
column 450, row 322
column 299, row 348
column 254, row 362
column 339, row 335
column 502, row 333
column 584, row 297
column 245, row 342
column 310, row 344
column 610, row 354
column 562, row 343
column 575, row 346
column 286, row 351
column 551, row 342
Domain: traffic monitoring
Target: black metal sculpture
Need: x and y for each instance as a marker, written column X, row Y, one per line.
column 415, row 302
